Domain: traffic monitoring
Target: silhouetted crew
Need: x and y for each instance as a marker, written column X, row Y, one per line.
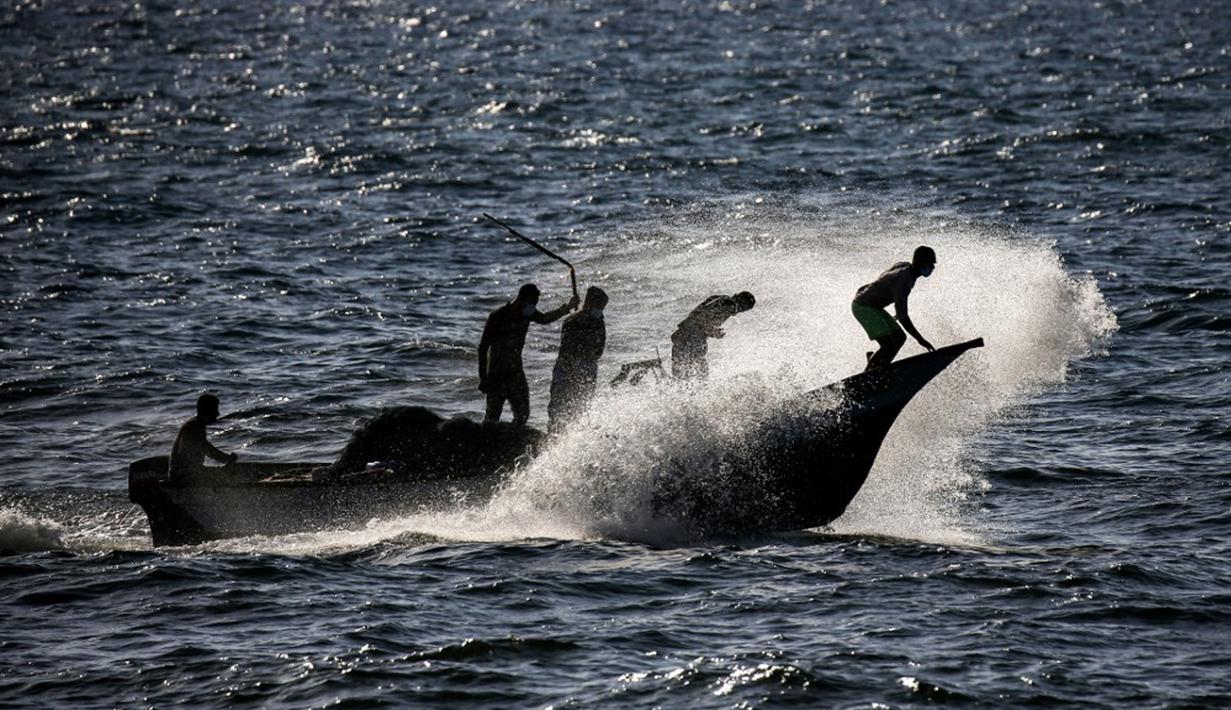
column 582, row 339
column 191, row 445
column 892, row 286
column 500, row 371
column 690, row 341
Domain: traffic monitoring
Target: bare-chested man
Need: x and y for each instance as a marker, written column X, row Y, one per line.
column 892, row 286
column 191, row 445
column 501, row 376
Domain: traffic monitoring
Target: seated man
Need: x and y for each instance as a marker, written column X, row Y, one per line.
column 191, row 445
column 892, row 286
column 690, row 341
column 582, row 340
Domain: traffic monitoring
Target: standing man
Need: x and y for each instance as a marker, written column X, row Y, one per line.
column 191, row 445
column 892, row 286
column 501, row 376
column 690, row 341
column 582, row 340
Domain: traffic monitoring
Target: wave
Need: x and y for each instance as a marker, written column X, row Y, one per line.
column 20, row 532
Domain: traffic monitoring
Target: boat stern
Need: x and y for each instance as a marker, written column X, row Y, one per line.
column 169, row 523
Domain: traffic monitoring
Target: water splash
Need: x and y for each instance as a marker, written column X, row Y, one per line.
column 637, row 446
column 20, row 532
column 804, row 262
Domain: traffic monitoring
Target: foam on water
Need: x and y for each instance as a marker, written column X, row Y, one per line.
column 603, row 477
column 20, row 532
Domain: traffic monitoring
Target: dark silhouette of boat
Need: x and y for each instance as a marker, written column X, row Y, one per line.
column 402, row 460
column 799, row 469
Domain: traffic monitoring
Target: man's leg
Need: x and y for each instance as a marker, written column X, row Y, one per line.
column 584, row 388
column 519, row 401
column 495, row 404
column 679, row 364
column 883, row 329
column 890, row 345
column 558, row 412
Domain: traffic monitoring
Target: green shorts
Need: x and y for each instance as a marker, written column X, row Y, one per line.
column 875, row 321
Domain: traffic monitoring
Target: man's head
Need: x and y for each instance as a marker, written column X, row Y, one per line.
column 924, row 260
column 207, row 408
column 596, row 300
column 528, row 298
column 745, row 301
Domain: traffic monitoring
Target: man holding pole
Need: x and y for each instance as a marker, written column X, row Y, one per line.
column 501, row 376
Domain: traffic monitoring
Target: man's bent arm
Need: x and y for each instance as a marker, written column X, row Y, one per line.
column 197, row 441
column 217, row 454
column 721, row 308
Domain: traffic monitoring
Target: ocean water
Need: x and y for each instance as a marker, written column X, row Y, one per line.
column 281, row 202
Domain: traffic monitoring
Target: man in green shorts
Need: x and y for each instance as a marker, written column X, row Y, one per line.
column 892, row 286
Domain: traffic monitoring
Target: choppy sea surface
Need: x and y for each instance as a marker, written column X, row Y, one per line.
column 280, row 202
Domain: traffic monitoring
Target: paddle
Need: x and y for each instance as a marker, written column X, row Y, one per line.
column 572, row 273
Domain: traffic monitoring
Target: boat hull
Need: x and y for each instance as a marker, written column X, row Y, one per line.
column 802, row 467
column 285, row 500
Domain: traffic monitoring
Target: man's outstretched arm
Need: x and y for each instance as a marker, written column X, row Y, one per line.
column 903, row 316
column 553, row 316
